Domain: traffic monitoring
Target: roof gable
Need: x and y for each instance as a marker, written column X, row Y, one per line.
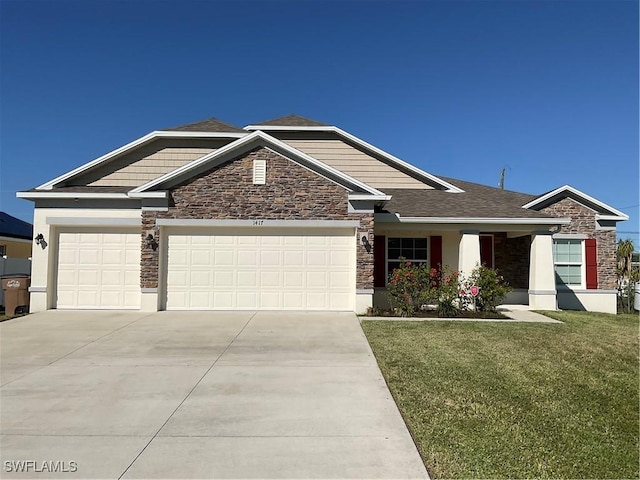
column 243, row 145
column 603, row 211
column 387, row 158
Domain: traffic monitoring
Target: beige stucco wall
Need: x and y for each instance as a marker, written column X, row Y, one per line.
column 43, row 266
column 16, row 248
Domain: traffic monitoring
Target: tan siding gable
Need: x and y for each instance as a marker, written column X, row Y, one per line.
column 356, row 163
column 147, row 163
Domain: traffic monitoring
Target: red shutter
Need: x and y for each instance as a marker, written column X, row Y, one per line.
column 379, row 261
column 486, row 250
column 591, row 262
column 436, row 252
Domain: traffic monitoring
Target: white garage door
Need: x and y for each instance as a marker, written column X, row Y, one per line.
column 257, row 270
column 98, row 269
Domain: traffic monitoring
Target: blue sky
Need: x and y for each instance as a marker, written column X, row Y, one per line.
column 547, row 89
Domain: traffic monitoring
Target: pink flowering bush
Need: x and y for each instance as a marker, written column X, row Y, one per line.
column 408, row 288
column 412, row 287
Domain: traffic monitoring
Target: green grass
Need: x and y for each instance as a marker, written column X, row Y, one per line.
column 515, row 400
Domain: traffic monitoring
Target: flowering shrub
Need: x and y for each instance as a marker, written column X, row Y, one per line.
column 408, row 288
column 411, row 287
column 492, row 288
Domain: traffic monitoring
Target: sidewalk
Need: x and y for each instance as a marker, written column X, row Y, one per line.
column 516, row 313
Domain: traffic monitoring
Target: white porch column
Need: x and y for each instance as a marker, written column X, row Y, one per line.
column 542, row 280
column 468, row 251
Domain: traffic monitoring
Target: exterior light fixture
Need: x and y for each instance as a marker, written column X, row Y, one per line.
column 365, row 242
column 41, row 241
column 151, row 242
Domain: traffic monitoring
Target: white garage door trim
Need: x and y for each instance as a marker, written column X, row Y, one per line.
column 259, row 268
column 97, row 268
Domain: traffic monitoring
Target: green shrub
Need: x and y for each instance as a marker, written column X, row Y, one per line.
column 408, row 288
column 492, row 288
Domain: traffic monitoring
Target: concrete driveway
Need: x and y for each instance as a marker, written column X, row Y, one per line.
column 196, row 395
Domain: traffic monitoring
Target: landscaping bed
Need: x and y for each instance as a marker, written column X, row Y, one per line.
column 515, row 400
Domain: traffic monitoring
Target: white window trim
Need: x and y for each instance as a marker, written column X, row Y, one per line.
column 386, row 254
column 583, row 267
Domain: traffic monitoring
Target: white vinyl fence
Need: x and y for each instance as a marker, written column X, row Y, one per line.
column 13, row 265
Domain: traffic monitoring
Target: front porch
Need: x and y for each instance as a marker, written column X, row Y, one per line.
column 521, row 250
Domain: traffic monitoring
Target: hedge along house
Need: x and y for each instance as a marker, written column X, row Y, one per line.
column 293, row 214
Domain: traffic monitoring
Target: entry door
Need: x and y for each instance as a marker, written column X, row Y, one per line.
column 486, row 250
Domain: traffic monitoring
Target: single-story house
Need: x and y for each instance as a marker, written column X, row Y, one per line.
column 296, row 214
column 16, row 237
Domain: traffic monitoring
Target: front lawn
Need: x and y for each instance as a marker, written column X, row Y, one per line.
column 516, row 400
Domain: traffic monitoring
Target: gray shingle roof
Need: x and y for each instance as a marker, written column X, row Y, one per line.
column 293, row 121
column 208, row 125
column 477, row 201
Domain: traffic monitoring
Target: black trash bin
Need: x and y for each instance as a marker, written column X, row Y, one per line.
column 16, row 293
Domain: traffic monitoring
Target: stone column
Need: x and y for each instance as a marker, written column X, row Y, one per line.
column 542, row 280
column 468, row 251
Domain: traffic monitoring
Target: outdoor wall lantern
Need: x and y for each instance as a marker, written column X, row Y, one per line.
column 152, row 242
column 365, row 242
column 41, row 241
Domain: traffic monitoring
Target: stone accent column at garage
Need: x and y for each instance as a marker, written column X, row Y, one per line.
column 468, row 251
column 149, row 263
column 364, row 264
column 542, row 280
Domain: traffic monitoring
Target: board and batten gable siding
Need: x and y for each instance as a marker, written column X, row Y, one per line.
column 227, row 192
column 147, row 162
column 583, row 221
column 356, row 163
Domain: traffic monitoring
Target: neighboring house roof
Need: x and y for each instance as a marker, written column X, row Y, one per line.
column 208, row 125
column 293, row 121
column 14, row 227
column 604, row 211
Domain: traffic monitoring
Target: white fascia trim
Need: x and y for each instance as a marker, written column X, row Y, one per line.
column 568, row 188
column 130, row 146
column 375, row 198
column 449, row 187
column 162, row 194
column 615, row 218
column 46, row 194
column 495, row 221
column 268, row 139
column 194, row 222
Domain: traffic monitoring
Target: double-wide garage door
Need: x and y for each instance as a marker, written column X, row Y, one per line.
column 280, row 269
column 98, row 269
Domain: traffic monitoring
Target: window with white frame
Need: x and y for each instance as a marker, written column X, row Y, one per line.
column 412, row 250
column 568, row 259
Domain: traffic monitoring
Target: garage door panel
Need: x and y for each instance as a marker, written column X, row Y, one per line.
column 98, row 269
column 261, row 271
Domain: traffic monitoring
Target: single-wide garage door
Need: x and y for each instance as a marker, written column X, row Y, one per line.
column 277, row 270
column 98, row 269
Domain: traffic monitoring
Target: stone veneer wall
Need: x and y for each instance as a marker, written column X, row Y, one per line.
column 291, row 192
column 583, row 221
column 512, row 257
